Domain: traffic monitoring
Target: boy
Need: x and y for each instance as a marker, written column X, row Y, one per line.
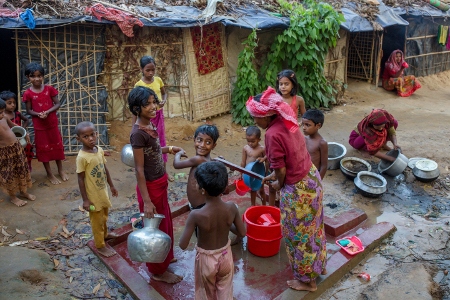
column 14, row 173
column 205, row 138
column 92, row 178
column 317, row 147
column 214, row 265
column 251, row 152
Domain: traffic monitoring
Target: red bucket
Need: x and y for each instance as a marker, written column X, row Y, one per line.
column 241, row 188
column 263, row 240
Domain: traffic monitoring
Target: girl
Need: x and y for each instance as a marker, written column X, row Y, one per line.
column 152, row 179
column 287, row 87
column 155, row 83
column 17, row 118
column 42, row 103
column 300, row 187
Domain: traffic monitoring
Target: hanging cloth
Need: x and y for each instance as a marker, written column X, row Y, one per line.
column 207, row 42
column 442, row 35
column 448, row 41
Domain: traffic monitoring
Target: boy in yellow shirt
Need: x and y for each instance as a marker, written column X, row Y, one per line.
column 92, row 178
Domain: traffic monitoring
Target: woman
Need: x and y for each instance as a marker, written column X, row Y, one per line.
column 373, row 132
column 300, row 186
column 393, row 77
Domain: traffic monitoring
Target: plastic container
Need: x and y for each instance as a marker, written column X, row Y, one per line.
column 355, row 240
column 263, row 241
column 266, row 220
column 258, row 168
column 241, row 188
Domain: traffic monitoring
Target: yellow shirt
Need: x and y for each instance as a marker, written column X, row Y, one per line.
column 93, row 165
column 156, row 86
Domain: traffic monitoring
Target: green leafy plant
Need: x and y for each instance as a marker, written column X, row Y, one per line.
column 247, row 82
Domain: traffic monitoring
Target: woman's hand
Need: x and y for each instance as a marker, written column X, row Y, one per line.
column 269, row 178
column 397, row 147
column 275, row 185
column 149, row 210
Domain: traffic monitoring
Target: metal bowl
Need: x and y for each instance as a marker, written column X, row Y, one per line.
column 370, row 184
column 393, row 168
column 336, row 152
column 127, row 156
column 351, row 166
column 426, row 170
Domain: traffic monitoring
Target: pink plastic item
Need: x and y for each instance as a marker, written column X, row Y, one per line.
column 405, row 65
column 364, row 276
column 266, row 220
column 356, row 241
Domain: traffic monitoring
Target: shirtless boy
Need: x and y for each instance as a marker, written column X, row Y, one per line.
column 214, row 266
column 14, row 170
column 205, row 138
column 317, row 147
column 251, row 152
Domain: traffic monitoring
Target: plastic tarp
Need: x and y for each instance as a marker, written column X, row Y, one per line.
column 425, row 11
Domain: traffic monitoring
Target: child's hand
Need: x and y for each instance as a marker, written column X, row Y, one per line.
column 43, row 115
column 86, row 205
column 149, row 210
column 261, row 159
column 180, row 151
column 114, row 192
column 275, row 185
column 27, row 138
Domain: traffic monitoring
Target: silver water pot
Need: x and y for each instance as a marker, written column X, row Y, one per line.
column 149, row 244
column 126, row 155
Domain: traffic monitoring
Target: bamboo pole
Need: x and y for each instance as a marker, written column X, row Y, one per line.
column 122, row 9
column 421, row 37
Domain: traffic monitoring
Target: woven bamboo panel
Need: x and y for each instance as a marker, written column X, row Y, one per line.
column 72, row 57
column 210, row 93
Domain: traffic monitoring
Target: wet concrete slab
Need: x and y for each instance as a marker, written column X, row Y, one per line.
column 344, row 222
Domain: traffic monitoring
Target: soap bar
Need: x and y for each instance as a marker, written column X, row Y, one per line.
column 344, row 243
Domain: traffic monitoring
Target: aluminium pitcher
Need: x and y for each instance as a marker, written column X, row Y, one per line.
column 149, row 244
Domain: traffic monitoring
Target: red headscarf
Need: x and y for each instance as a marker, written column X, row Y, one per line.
column 375, row 139
column 392, row 66
column 271, row 104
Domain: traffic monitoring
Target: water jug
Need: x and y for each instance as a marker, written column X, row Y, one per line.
column 149, row 244
column 21, row 134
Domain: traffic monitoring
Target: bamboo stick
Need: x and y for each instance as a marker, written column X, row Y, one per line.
column 427, row 54
column 122, row 9
column 421, row 37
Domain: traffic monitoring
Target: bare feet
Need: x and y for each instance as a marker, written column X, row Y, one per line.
column 173, row 260
column 53, row 179
column 324, row 272
column 106, row 251
column 168, row 277
column 302, row 286
column 18, row 202
column 111, row 235
column 28, row 196
column 63, row 175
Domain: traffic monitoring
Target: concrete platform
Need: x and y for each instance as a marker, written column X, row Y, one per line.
column 344, row 222
column 255, row 277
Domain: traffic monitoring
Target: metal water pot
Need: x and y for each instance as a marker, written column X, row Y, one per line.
column 127, row 156
column 149, row 244
column 21, row 134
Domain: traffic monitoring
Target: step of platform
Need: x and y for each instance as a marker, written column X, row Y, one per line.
column 344, row 222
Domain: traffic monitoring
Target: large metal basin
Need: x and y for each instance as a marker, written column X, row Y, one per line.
column 370, row 184
column 351, row 166
column 336, row 152
column 393, row 168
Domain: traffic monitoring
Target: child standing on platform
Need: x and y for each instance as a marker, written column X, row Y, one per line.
column 155, row 83
column 287, row 87
column 251, row 152
column 14, row 173
column 17, row 118
column 92, row 178
column 151, row 176
column 317, row 147
column 42, row 103
column 214, row 266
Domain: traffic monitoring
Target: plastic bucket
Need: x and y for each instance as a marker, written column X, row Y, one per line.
column 241, row 188
column 258, row 168
column 263, row 240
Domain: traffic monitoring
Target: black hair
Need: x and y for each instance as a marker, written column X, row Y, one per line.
column 82, row 125
column 213, row 177
column 314, row 115
column 33, row 67
column 6, row 95
column 2, row 104
column 289, row 74
column 145, row 60
column 253, row 131
column 138, row 97
column 209, row 130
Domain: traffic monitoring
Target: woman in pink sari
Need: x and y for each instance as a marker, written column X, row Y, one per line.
column 393, row 77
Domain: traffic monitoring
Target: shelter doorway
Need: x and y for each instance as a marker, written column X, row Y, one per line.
column 8, row 76
column 393, row 39
column 361, row 55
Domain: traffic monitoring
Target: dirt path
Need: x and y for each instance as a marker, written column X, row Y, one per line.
column 422, row 132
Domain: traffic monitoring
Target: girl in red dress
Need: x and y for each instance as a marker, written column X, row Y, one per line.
column 42, row 103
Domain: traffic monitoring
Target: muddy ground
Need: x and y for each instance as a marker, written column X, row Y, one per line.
column 43, row 253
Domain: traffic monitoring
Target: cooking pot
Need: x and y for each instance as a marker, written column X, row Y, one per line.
column 351, row 166
column 393, row 168
column 426, row 170
column 336, row 152
column 127, row 156
column 370, row 184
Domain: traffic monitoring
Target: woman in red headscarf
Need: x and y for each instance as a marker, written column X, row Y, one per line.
column 393, row 77
column 300, row 187
column 373, row 132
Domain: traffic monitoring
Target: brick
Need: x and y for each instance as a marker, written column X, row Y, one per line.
column 344, row 222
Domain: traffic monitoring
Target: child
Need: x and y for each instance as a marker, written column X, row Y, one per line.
column 92, row 178
column 42, row 103
column 14, row 173
column 152, row 179
column 287, row 87
column 155, row 83
column 254, row 151
column 17, row 118
column 214, row 265
column 317, row 147
column 205, row 138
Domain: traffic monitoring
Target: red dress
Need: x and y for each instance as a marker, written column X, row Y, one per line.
column 47, row 137
column 29, row 148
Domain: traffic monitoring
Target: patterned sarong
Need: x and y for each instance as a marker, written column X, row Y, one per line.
column 302, row 225
column 405, row 86
column 14, row 173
